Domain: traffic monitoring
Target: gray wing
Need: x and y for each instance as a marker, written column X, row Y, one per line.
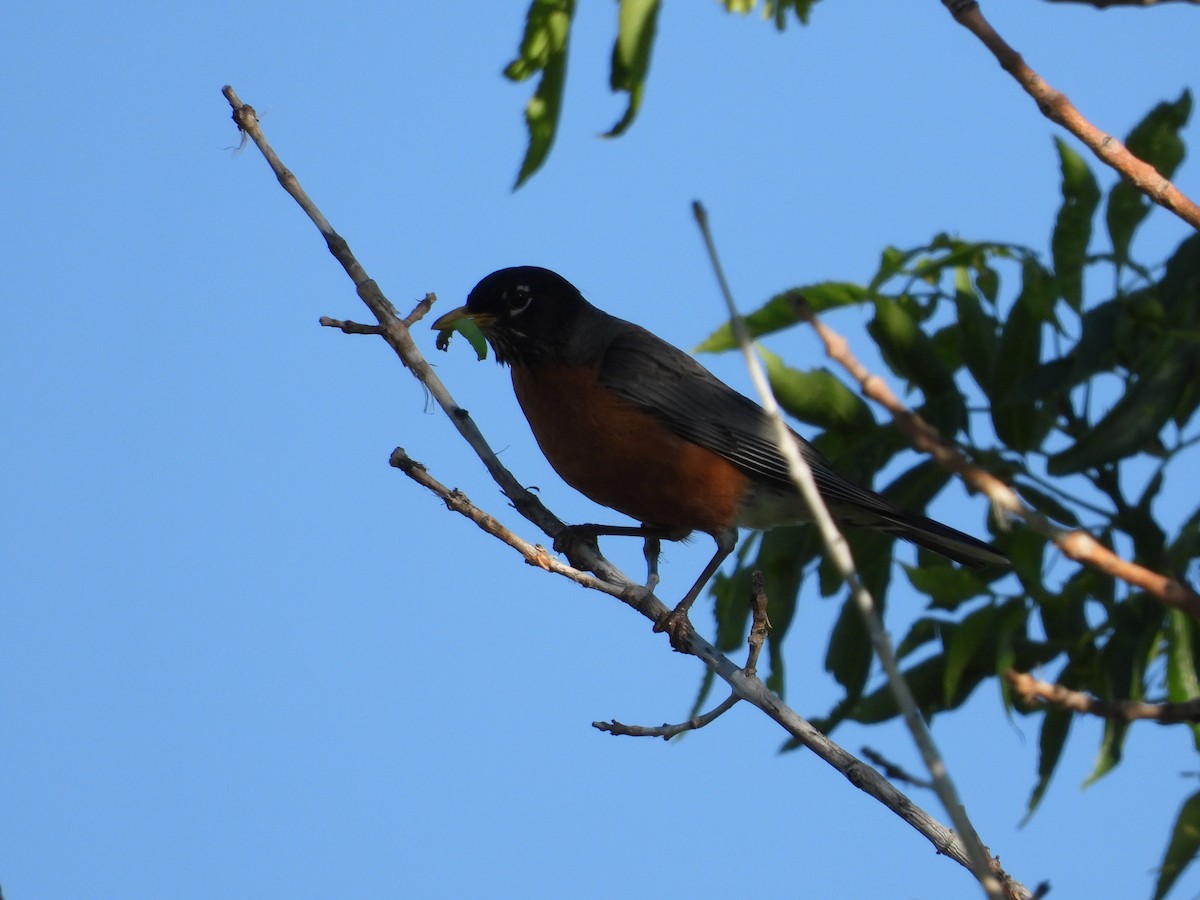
column 667, row 383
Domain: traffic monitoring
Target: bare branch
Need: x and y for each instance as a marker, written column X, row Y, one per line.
column 1076, row 545
column 758, row 623
column 420, row 310
column 893, row 770
column 838, row 551
column 586, row 558
column 758, row 634
column 664, row 731
column 1056, row 107
column 348, row 327
column 1033, row 690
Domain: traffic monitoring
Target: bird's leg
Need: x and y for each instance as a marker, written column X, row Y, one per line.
column 676, row 623
column 571, row 535
column 652, row 548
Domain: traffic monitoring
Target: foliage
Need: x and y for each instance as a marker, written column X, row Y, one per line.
column 1082, row 405
column 1073, row 376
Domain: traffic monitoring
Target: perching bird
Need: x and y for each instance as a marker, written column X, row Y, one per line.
column 639, row 426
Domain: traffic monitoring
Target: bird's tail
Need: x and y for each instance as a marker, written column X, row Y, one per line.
column 944, row 540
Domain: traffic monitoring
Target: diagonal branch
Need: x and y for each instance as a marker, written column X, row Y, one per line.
column 1033, row 689
column 585, row 557
column 1076, row 545
column 838, row 552
column 1056, row 107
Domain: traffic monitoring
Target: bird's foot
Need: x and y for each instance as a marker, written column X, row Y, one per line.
column 573, row 537
column 677, row 626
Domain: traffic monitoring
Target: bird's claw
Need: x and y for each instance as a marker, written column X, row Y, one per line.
column 677, row 627
column 571, row 537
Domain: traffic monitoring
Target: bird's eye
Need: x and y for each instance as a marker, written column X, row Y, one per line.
column 519, row 299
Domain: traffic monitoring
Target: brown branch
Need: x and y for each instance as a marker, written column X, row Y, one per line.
column 1056, row 107
column 586, row 558
column 1032, row 690
column 1076, row 545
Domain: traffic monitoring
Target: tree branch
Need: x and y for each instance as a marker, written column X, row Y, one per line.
column 586, row 559
column 664, row 731
column 1032, row 690
column 1056, row 107
column 838, row 551
column 1076, row 545
column 758, row 635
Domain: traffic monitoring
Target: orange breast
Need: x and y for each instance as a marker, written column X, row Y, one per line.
column 622, row 458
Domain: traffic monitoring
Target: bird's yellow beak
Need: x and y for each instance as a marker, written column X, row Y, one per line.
column 450, row 320
column 468, row 324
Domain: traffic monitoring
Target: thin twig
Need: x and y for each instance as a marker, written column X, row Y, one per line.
column 610, row 579
column 892, row 770
column 758, row 622
column 1032, row 690
column 839, row 552
column 419, row 311
column 1056, row 107
column 665, row 731
column 1075, row 544
column 348, row 327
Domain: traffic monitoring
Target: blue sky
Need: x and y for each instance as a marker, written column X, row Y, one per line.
column 242, row 657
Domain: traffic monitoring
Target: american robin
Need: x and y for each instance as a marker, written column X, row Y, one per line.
column 639, row 426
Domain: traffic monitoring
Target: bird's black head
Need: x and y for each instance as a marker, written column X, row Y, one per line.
column 527, row 313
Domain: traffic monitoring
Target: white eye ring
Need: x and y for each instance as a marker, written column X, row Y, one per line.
column 521, row 301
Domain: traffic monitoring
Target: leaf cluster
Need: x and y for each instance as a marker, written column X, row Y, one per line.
column 1082, row 404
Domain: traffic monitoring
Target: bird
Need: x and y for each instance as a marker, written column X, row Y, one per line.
column 639, row 426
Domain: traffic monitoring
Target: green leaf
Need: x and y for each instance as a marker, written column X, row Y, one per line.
column 636, row 24
column 946, row 586
column 925, row 680
column 780, row 312
column 978, row 331
column 1183, row 682
column 816, row 397
column 1135, row 421
column 1073, row 228
column 468, row 329
column 543, row 49
column 970, row 646
column 1182, row 849
column 910, row 354
column 922, row 632
column 776, row 10
column 1056, row 725
column 1109, row 755
column 1156, row 140
column 848, row 658
column 1019, row 419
